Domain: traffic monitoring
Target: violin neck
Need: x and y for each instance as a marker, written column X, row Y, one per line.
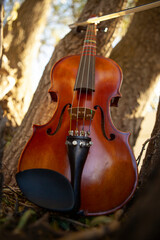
column 86, row 72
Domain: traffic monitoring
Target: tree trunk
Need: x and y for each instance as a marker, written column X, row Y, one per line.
column 2, row 143
column 2, row 119
column 139, row 55
column 142, row 221
column 21, row 45
column 41, row 110
column 152, row 158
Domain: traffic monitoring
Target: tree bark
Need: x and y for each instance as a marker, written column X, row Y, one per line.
column 152, row 158
column 21, row 45
column 2, row 119
column 2, row 143
column 142, row 221
column 138, row 54
column 41, row 110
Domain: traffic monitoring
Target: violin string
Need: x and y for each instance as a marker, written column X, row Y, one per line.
column 84, row 56
column 89, row 53
column 89, row 62
column 74, row 92
column 83, row 59
column 92, row 54
column 93, row 67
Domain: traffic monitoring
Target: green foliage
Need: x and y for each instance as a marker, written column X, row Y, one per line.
column 24, row 219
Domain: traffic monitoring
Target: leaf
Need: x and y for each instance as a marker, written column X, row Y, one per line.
column 100, row 220
column 23, row 220
column 65, row 225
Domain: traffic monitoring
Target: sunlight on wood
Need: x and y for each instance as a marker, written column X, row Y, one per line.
column 148, row 122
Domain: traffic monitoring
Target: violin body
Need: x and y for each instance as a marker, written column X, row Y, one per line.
column 109, row 175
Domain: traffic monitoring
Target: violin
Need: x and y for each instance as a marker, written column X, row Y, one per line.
column 79, row 162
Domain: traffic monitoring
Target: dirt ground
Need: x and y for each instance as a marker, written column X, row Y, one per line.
column 22, row 220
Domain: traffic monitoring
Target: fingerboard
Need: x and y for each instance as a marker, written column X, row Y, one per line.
column 85, row 79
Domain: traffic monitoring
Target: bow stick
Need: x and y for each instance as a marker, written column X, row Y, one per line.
column 118, row 14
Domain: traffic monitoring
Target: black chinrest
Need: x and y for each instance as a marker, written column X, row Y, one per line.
column 46, row 188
